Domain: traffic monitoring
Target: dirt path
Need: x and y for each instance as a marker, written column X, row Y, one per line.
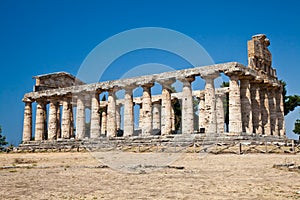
column 81, row 176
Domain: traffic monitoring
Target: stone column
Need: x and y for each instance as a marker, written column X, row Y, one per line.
column 128, row 113
column 220, row 112
column 201, row 121
column 246, row 108
column 166, row 107
column 52, row 124
column 58, row 129
column 111, row 114
column 66, row 123
column 118, row 116
column 147, row 110
column 187, row 120
column 71, row 123
column 104, row 121
column 80, row 118
column 255, row 106
column 27, row 125
column 156, row 123
column 95, row 116
column 235, row 114
column 265, row 113
column 210, row 103
column 280, row 112
column 272, row 110
column 40, row 124
column 141, row 116
column 173, row 119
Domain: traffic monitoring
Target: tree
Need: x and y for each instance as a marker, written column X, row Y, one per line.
column 2, row 140
column 297, row 127
column 290, row 102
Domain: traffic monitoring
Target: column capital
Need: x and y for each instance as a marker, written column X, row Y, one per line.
column 147, row 85
column 129, row 88
column 27, row 100
column 113, row 89
column 166, row 83
column 210, row 75
column 187, row 79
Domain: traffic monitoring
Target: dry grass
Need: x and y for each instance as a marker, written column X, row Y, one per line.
column 80, row 176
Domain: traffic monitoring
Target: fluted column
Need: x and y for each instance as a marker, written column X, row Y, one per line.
column 256, row 108
column 71, row 123
column 187, row 119
column 104, row 121
column 52, row 124
column 128, row 113
column 202, row 112
column 280, row 112
column 118, row 116
column 58, row 129
column 40, row 124
column 265, row 112
column 111, row 114
column 272, row 110
column 210, row 103
column 235, row 114
column 166, row 107
column 173, row 119
column 95, row 116
column 140, row 116
column 220, row 113
column 80, row 118
column 156, row 112
column 247, row 125
column 147, row 110
column 27, row 125
column 66, row 122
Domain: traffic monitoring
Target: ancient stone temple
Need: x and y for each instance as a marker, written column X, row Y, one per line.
column 255, row 102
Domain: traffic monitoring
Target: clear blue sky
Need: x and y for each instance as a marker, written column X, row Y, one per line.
column 38, row 37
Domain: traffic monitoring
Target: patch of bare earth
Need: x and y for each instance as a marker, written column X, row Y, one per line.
column 81, row 176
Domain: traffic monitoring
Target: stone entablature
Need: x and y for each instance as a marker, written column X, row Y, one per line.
column 255, row 102
column 55, row 80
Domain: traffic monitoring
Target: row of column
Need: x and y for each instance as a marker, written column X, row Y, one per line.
column 253, row 108
column 256, row 107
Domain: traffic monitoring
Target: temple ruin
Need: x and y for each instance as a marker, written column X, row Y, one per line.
column 255, row 102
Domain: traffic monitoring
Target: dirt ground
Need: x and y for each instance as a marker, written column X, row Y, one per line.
column 80, row 176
